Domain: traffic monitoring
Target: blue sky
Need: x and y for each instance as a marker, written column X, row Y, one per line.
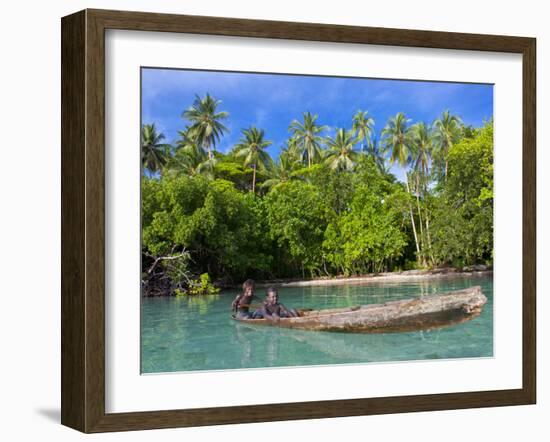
column 271, row 102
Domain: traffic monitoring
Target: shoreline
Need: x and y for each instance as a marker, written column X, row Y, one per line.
column 404, row 276
column 371, row 278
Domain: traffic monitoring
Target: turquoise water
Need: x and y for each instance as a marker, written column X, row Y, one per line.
column 180, row 334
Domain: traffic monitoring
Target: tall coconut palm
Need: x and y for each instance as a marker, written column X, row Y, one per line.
column 252, row 147
column 307, row 135
column 154, row 153
column 448, row 128
column 206, row 122
column 423, row 137
column 363, row 126
column 375, row 151
column 292, row 151
column 398, row 141
column 340, row 153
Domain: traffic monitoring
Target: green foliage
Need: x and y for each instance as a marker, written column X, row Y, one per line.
column 208, row 216
column 363, row 126
column 307, row 137
column 202, row 286
column 232, row 169
column 397, row 138
column 251, row 148
column 206, row 122
column 463, row 214
column 154, row 153
column 448, row 131
column 297, row 218
column 178, row 269
column 285, row 169
column 189, row 157
column 212, row 219
column 340, row 153
column 366, row 237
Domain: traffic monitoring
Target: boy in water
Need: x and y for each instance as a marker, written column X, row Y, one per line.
column 241, row 304
column 272, row 309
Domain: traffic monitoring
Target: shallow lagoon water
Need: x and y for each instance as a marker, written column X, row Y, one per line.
column 190, row 334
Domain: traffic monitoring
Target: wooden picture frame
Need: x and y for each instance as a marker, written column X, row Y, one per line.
column 83, row 220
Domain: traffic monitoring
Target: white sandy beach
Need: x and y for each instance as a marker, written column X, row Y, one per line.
column 405, row 276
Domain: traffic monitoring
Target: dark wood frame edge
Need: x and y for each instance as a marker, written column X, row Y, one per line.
column 83, row 215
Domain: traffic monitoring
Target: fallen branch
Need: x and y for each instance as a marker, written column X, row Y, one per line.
column 164, row 258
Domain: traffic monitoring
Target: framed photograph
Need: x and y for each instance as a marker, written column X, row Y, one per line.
column 266, row 221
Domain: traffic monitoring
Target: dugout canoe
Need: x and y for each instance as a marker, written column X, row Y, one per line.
column 423, row 313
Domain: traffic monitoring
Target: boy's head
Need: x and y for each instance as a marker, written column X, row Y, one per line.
column 248, row 287
column 272, row 295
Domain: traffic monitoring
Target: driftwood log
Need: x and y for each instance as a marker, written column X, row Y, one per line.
column 423, row 313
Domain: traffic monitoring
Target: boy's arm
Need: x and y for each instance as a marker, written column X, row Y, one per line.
column 235, row 301
column 268, row 315
column 265, row 312
column 289, row 313
column 284, row 310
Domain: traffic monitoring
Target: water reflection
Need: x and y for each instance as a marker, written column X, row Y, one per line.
column 197, row 333
column 200, row 304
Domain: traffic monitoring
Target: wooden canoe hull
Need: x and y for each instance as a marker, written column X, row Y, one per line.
column 427, row 312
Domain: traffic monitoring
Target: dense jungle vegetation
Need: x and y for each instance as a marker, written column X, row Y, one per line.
column 327, row 205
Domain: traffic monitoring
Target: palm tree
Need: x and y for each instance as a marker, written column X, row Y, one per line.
column 189, row 157
column 251, row 147
column 340, row 154
column 187, row 140
column 398, row 141
column 374, row 150
column 423, row 139
column 190, row 163
column 154, row 153
column 447, row 131
column 292, row 151
column 363, row 126
column 307, row 135
column 206, row 123
column 282, row 170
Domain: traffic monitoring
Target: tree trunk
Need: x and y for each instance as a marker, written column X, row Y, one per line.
column 209, row 150
column 429, row 238
column 412, row 216
column 422, row 257
column 254, row 178
column 427, row 219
